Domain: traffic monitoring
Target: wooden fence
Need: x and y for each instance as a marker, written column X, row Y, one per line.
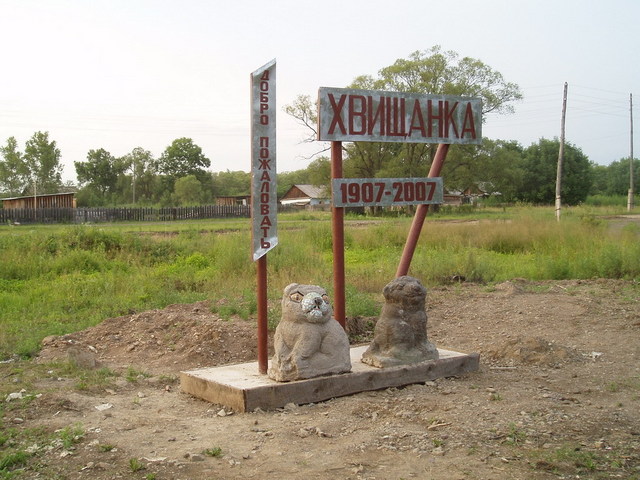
column 100, row 215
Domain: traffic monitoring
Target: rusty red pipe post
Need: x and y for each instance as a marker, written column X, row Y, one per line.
column 261, row 278
column 337, row 224
column 420, row 215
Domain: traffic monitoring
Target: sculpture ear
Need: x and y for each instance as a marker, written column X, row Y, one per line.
column 290, row 288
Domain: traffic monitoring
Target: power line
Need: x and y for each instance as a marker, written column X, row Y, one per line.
column 601, row 90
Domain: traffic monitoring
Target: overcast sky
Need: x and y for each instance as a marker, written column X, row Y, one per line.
column 118, row 74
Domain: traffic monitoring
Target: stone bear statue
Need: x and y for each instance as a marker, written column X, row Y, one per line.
column 308, row 341
column 400, row 335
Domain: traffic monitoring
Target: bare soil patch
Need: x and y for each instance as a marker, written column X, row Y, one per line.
column 557, row 396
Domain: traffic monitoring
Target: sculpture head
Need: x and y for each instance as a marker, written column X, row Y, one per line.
column 306, row 303
column 406, row 291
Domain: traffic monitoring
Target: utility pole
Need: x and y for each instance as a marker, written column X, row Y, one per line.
column 561, row 154
column 630, row 198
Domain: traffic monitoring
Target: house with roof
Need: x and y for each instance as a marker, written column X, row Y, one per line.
column 473, row 194
column 49, row 200
column 233, row 200
column 304, row 195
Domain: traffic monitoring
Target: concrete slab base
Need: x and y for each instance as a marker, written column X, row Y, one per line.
column 241, row 388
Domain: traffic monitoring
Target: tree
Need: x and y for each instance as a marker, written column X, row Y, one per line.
column 306, row 113
column 13, row 170
column 188, row 191
column 495, row 164
column 320, row 172
column 442, row 72
column 367, row 159
column 432, row 71
column 317, row 173
column 231, row 183
column 142, row 166
column 42, row 160
column 182, row 158
column 100, row 171
column 600, row 180
column 540, row 169
column 288, row 179
column 614, row 178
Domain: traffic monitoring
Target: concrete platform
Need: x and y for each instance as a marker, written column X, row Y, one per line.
column 243, row 389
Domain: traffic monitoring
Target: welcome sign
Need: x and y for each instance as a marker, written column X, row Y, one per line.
column 380, row 116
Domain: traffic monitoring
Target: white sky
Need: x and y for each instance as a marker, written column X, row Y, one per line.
column 117, row 74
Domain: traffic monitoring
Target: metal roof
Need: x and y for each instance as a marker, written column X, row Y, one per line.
column 313, row 191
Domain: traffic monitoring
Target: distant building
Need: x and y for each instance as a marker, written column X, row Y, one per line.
column 478, row 191
column 452, row 198
column 303, row 195
column 52, row 200
column 470, row 195
column 243, row 200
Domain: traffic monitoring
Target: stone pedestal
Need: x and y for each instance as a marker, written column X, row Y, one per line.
column 243, row 389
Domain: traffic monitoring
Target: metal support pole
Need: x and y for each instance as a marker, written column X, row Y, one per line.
column 337, row 224
column 420, row 215
column 261, row 265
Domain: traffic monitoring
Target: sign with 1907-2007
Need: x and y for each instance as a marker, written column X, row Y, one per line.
column 379, row 116
column 386, row 192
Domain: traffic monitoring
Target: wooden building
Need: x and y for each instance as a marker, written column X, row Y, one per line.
column 232, row 200
column 303, row 195
column 51, row 200
column 453, row 198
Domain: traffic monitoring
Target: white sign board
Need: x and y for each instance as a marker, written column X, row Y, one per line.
column 378, row 116
column 264, row 199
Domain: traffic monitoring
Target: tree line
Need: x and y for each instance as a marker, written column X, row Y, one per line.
column 501, row 166
column 180, row 175
column 506, row 169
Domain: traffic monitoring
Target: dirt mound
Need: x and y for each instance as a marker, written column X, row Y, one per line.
column 175, row 338
column 167, row 341
column 510, row 287
column 531, row 351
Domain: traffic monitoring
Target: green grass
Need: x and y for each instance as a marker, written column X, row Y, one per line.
column 577, row 461
column 71, row 435
column 213, row 452
column 133, row 375
column 12, row 460
column 59, row 279
column 136, row 465
column 21, row 448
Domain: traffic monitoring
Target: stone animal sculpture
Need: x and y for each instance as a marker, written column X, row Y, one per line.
column 308, row 341
column 400, row 335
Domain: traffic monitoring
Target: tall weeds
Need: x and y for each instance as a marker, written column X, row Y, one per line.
column 57, row 280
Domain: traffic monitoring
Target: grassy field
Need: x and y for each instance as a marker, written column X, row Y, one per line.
column 59, row 279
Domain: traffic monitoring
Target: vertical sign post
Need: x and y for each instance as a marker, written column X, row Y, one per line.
column 337, row 232
column 264, row 201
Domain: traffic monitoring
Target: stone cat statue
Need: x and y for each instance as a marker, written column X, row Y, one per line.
column 308, row 341
column 400, row 335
